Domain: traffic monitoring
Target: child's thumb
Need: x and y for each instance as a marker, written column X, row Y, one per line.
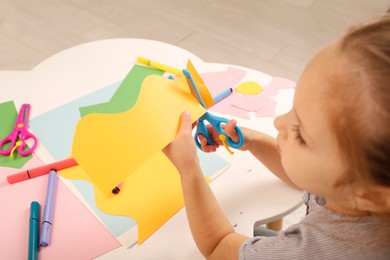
column 185, row 122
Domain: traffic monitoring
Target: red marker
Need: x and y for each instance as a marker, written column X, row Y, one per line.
column 42, row 170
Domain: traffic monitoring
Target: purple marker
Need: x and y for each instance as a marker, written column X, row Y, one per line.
column 47, row 219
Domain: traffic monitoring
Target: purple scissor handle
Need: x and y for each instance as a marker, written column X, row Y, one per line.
column 18, row 137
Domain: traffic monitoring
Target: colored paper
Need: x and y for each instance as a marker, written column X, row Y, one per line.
column 249, row 88
column 261, row 104
column 236, row 74
column 73, row 225
column 127, row 93
column 8, row 115
column 62, row 121
column 282, row 83
column 65, row 119
column 120, row 143
column 152, row 194
column 60, row 148
column 203, row 90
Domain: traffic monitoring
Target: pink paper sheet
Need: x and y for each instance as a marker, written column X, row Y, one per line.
column 76, row 233
column 262, row 104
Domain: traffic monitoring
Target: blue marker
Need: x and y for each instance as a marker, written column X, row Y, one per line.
column 47, row 220
column 222, row 95
column 33, row 238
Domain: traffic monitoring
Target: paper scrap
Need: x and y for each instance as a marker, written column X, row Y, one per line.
column 249, row 88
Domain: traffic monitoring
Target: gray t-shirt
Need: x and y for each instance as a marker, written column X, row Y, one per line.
column 323, row 234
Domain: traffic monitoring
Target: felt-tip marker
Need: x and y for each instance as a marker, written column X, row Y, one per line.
column 117, row 189
column 222, row 95
column 47, row 219
column 42, row 170
column 33, row 237
column 159, row 66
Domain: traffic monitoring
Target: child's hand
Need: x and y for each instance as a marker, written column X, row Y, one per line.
column 182, row 151
column 229, row 130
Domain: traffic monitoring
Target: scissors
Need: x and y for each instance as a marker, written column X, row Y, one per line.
column 19, row 135
column 215, row 121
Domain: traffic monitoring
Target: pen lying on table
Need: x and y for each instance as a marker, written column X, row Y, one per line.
column 42, row 170
column 48, row 212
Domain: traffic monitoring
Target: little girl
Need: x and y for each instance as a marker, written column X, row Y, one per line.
column 334, row 144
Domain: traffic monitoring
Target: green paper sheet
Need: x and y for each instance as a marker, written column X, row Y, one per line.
column 126, row 95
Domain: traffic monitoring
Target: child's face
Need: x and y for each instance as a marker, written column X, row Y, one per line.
column 308, row 149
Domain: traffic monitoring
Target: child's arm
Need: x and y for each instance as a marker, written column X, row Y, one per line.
column 262, row 146
column 212, row 231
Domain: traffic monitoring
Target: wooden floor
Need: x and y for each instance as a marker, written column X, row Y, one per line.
column 277, row 37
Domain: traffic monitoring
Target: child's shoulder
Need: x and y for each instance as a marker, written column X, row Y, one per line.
column 322, row 234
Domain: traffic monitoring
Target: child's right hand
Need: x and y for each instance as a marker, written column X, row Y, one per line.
column 229, row 129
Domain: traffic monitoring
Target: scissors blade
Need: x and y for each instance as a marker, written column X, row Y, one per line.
column 194, row 90
column 23, row 116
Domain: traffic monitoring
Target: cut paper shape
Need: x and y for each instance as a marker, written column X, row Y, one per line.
column 262, row 104
column 65, row 118
column 8, row 115
column 249, row 88
column 62, row 121
column 73, row 224
column 203, row 90
column 126, row 94
column 116, row 224
column 236, row 74
column 151, row 194
column 282, row 83
column 120, row 143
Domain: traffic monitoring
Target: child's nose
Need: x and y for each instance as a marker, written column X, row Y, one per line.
column 280, row 125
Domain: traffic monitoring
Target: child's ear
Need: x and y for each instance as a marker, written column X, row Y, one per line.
column 376, row 200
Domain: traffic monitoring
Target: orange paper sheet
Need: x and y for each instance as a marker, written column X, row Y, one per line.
column 203, row 90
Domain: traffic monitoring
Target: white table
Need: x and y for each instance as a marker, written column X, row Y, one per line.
column 247, row 191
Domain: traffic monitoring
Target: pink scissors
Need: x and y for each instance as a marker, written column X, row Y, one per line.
column 18, row 137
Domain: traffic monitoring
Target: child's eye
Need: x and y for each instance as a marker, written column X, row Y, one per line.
column 298, row 136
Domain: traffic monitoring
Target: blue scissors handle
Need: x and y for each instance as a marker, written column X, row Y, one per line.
column 216, row 122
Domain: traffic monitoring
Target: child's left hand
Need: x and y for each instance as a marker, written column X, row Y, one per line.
column 182, row 150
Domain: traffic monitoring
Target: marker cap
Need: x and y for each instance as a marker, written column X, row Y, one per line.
column 45, row 234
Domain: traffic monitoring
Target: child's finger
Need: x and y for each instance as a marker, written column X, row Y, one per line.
column 231, row 131
column 185, row 123
column 205, row 146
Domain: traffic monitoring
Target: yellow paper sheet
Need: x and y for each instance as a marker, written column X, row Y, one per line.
column 110, row 147
column 150, row 195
